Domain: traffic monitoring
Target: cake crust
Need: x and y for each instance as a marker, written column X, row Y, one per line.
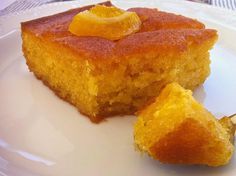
column 161, row 32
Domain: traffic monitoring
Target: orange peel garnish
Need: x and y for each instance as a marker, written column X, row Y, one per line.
column 107, row 22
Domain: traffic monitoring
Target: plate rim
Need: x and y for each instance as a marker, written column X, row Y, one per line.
column 76, row 3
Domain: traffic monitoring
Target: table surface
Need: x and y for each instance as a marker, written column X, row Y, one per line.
column 5, row 3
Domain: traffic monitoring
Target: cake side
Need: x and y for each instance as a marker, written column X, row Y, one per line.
column 139, row 77
column 62, row 71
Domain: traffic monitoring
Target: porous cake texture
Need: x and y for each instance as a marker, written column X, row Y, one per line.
column 176, row 129
column 103, row 77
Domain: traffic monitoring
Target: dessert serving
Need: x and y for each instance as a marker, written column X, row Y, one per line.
column 104, row 71
column 176, row 129
column 107, row 61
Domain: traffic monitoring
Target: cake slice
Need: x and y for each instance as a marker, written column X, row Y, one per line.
column 176, row 129
column 103, row 77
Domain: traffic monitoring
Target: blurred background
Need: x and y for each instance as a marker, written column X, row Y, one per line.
column 10, row 6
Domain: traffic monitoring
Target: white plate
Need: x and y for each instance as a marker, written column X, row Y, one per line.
column 43, row 135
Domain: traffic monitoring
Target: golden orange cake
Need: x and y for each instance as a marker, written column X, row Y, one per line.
column 102, row 77
column 176, row 129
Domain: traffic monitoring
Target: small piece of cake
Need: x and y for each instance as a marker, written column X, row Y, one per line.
column 102, row 77
column 176, row 129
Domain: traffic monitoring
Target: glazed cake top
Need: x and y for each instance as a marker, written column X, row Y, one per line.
column 160, row 33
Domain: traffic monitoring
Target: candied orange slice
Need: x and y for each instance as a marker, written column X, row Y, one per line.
column 107, row 22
